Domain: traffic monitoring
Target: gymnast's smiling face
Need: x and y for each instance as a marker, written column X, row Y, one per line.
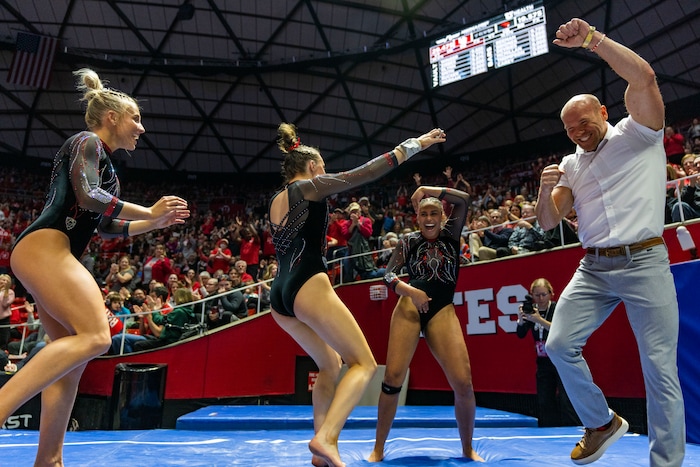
column 129, row 128
column 430, row 217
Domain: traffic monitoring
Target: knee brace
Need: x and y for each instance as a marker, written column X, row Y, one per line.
column 386, row 389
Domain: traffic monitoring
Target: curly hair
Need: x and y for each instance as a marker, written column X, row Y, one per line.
column 296, row 154
column 100, row 99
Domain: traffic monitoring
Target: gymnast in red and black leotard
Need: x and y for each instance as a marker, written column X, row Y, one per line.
column 432, row 264
column 303, row 302
column 83, row 197
column 425, row 306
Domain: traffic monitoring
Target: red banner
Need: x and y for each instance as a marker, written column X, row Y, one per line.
column 255, row 357
column 487, row 300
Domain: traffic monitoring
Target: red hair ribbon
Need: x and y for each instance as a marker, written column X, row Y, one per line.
column 295, row 145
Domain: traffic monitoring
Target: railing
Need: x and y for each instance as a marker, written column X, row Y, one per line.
column 336, row 265
column 200, row 304
column 27, row 328
column 336, row 270
column 34, row 324
column 676, row 183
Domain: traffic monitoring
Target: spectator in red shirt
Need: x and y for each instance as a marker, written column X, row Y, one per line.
column 7, row 298
column 402, row 197
column 158, row 266
column 241, row 266
column 220, row 257
column 208, row 225
column 674, row 144
column 335, row 230
column 250, row 248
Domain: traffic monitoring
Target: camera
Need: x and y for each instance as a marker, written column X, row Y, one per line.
column 136, row 301
column 528, row 305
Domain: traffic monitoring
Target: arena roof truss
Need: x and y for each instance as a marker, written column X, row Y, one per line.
column 216, row 77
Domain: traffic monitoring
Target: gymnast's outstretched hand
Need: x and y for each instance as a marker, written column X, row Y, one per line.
column 169, row 210
column 435, row 135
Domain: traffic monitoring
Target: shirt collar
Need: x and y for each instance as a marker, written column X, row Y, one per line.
column 603, row 142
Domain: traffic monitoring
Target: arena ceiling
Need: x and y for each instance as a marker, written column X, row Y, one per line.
column 215, row 77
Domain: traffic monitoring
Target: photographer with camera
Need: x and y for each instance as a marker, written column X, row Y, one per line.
column 535, row 317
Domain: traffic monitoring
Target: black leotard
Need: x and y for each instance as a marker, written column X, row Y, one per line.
column 300, row 238
column 83, row 194
column 433, row 265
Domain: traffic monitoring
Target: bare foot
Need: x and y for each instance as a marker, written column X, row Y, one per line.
column 325, row 452
column 376, row 456
column 474, row 456
column 317, row 461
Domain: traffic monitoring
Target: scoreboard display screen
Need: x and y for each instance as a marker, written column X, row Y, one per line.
column 509, row 38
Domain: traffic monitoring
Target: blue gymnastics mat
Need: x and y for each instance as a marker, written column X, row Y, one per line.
column 299, row 417
column 406, row 447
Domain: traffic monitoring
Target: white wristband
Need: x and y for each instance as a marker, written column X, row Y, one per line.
column 411, row 147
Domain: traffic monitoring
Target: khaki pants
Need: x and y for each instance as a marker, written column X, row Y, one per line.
column 479, row 250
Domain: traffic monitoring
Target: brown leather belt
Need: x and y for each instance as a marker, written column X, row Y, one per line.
column 621, row 250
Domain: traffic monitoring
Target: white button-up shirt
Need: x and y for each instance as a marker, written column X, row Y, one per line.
column 620, row 188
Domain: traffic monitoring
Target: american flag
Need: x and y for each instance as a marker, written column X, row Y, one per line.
column 33, row 60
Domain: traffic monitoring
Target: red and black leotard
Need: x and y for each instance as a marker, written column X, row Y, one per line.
column 300, row 238
column 83, row 194
column 432, row 265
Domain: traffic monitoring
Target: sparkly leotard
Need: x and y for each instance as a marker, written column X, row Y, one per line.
column 300, row 238
column 83, row 194
column 433, row 265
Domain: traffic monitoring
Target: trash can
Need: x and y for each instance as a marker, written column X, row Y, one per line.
column 137, row 396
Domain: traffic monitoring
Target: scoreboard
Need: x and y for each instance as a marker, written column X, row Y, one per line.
column 509, row 38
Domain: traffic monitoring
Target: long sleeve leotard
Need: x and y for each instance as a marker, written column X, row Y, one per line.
column 433, row 265
column 300, row 238
column 83, row 194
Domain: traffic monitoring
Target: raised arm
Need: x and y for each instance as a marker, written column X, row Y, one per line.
column 457, row 198
column 642, row 97
column 325, row 185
